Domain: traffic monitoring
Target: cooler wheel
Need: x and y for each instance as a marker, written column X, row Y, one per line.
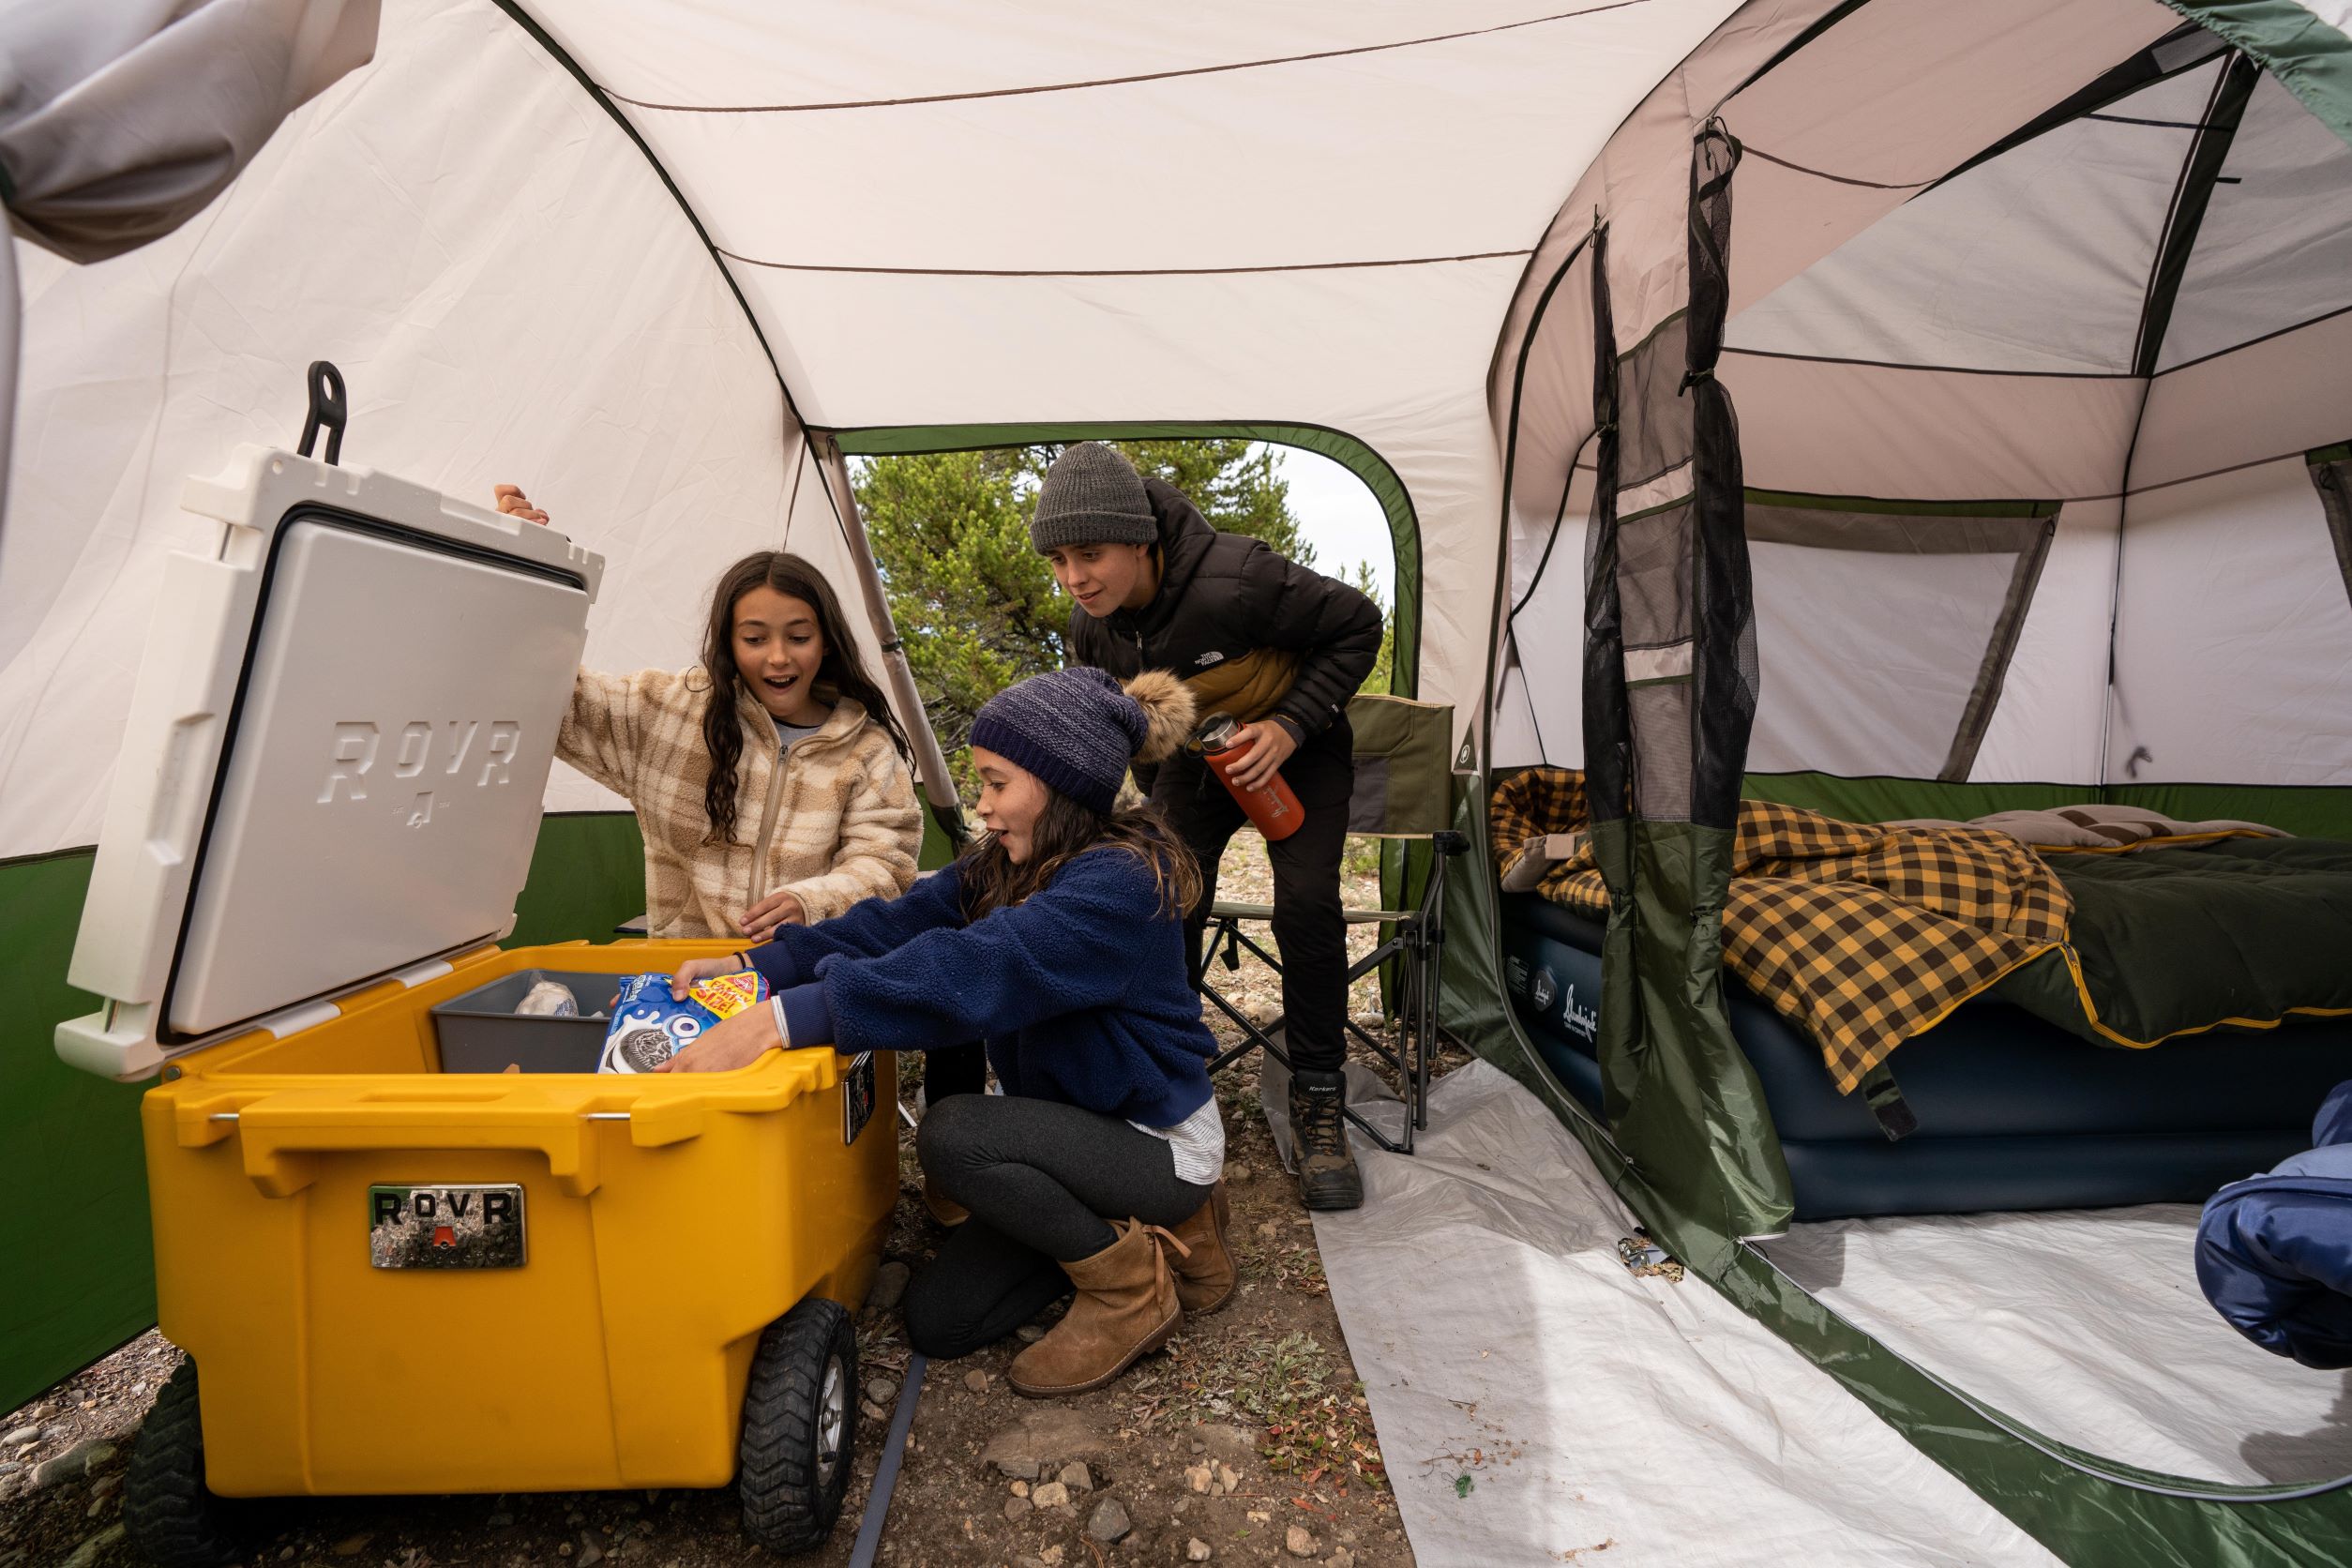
column 171, row 1520
column 799, row 1426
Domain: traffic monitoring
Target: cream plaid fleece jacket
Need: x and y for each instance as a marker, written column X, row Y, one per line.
column 837, row 824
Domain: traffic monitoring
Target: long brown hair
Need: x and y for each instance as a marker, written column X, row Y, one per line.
column 1066, row 830
column 842, row 672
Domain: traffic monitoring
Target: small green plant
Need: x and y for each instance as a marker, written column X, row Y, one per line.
column 1312, row 1424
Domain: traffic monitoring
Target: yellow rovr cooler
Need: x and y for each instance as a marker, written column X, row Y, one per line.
column 395, row 1266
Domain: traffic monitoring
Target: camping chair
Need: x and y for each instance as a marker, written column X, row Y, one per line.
column 1403, row 791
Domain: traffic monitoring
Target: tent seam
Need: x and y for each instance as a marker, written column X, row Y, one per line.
column 1121, row 80
column 1110, row 272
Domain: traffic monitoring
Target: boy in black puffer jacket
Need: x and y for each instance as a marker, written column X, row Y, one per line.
column 1281, row 649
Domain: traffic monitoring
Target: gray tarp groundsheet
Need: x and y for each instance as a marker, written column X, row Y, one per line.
column 1500, row 1337
column 2088, row 1327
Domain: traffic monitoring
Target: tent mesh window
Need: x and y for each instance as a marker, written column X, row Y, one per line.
column 1657, row 437
column 1656, row 579
column 1726, row 672
column 1860, row 599
column 1608, row 751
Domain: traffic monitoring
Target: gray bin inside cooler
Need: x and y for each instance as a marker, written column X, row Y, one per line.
column 480, row 1031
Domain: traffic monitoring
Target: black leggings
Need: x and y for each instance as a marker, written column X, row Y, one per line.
column 1309, row 931
column 1039, row 1178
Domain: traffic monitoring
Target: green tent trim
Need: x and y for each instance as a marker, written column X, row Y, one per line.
column 1357, row 457
column 2310, row 59
column 81, row 1276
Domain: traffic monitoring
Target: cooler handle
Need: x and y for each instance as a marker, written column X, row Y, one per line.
column 280, row 1143
column 280, row 1132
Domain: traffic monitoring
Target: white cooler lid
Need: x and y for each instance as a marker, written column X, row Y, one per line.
column 336, row 755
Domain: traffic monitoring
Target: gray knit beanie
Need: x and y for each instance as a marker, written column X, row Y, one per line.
column 1092, row 496
column 1079, row 729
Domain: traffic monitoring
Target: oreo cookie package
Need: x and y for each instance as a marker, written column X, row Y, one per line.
column 650, row 1026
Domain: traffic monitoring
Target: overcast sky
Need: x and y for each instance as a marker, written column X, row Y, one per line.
column 1338, row 516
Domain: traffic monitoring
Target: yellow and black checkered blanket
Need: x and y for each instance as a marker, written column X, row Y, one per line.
column 1863, row 935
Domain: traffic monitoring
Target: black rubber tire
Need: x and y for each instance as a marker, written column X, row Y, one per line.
column 171, row 1520
column 794, row 1465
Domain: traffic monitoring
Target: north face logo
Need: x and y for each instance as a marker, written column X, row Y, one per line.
column 1212, row 657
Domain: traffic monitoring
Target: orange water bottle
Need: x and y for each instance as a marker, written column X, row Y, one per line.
column 1271, row 805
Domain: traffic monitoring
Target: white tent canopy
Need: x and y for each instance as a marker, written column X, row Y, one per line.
column 934, row 214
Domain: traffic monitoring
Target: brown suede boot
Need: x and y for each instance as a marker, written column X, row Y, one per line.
column 1125, row 1307
column 1205, row 1277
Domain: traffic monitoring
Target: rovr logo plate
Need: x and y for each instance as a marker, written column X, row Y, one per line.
column 445, row 1228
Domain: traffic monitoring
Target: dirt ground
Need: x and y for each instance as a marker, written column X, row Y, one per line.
column 1248, row 1439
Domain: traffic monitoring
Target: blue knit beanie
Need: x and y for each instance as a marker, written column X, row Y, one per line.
column 1077, row 730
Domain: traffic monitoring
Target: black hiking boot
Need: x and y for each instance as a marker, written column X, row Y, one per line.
column 1328, row 1177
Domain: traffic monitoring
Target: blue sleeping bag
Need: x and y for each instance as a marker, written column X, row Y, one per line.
column 2274, row 1254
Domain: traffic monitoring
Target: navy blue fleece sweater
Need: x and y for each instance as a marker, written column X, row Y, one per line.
column 1080, row 990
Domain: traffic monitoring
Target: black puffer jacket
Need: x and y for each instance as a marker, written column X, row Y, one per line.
column 1223, row 595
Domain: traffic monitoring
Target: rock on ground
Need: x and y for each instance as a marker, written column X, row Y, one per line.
column 1044, row 1437
column 94, row 1548
column 76, row 1461
column 1110, row 1523
column 890, row 1286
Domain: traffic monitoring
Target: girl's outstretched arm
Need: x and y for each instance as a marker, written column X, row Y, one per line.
column 865, row 931
column 1072, row 946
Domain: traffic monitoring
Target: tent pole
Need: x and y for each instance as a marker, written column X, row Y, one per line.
column 938, row 786
column 2208, row 149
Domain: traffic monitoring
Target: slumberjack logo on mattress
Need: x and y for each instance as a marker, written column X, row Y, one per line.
column 1542, row 988
column 1580, row 1021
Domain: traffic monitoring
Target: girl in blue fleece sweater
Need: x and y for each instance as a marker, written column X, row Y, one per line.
column 1058, row 938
